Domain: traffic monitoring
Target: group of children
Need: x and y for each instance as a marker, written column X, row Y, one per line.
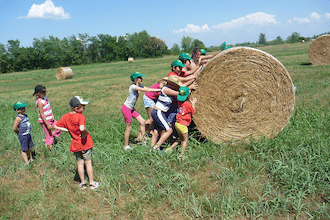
column 72, row 122
column 166, row 102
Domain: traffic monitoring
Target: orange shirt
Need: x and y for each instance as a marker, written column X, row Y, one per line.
column 185, row 112
column 72, row 121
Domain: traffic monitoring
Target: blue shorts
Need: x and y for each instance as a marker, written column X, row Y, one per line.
column 160, row 120
column 171, row 113
column 26, row 142
column 148, row 103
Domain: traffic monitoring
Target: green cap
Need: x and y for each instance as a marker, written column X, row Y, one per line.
column 183, row 93
column 177, row 63
column 203, row 52
column 18, row 105
column 136, row 75
column 185, row 56
column 224, row 47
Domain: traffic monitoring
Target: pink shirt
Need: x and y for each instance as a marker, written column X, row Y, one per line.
column 153, row 95
column 47, row 110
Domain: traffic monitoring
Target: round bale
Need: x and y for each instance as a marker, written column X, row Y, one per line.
column 243, row 92
column 130, row 59
column 319, row 50
column 64, row 73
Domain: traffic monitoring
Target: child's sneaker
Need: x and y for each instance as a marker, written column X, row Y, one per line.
column 95, row 185
column 144, row 143
column 82, row 185
column 128, row 148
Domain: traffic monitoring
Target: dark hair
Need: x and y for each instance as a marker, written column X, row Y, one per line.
column 196, row 50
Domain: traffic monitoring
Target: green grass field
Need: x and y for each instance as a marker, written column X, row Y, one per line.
column 287, row 177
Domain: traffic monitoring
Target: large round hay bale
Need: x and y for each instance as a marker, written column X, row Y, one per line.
column 64, row 73
column 319, row 50
column 130, row 59
column 243, row 92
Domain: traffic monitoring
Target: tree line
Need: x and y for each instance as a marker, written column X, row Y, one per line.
column 75, row 50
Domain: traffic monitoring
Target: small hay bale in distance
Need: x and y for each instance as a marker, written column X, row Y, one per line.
column 243, row 92
column 64, row 73
column 130, row 59
column 319, row 51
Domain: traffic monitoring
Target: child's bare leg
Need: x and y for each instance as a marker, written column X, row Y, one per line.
column 142, row 127
column 127, row 132
column 163, row 138
column 184, row 143
column 29, row 155
column 81, row 171
column 89, row 169
column 50, row 146
column 148, row 122
column 154, row 138
column 176, row 143
column 25, row 157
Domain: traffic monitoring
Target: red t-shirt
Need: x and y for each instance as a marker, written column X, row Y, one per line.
column 173, row 73
column 72, row 121
column 185, row 112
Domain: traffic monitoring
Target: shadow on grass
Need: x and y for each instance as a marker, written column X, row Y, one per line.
column 306, row 64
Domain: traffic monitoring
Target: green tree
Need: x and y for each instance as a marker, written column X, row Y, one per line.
column 294, row 37
column 175, row 50
column 198, row 43
column 279, row 40
column 155, row 47
column 137, row 42
column 107, row 47
column 187, row 44
column 262, row 39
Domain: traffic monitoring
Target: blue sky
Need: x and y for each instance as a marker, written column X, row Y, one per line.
column 211, row 21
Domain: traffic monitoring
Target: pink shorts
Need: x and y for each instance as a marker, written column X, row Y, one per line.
column 49, row 134
column 129, row 113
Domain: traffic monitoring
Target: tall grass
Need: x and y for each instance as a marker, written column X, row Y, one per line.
column 285, row 177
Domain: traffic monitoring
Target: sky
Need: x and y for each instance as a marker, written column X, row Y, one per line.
column 211, row 21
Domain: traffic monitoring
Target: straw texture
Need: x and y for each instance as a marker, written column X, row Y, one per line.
column 243, row 92
column 319, row 50
column 130, row 59
column 64, row 73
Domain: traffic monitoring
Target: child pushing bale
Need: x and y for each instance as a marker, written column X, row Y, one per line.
column 243, row 92
column 319, row 51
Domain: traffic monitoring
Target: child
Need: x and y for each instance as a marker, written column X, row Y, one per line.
column 128, row 109
column 188, row 62
column 46, row 117
column 186, row 110
column 162, row 121
column 149, row 101
column 197, row 58
column 22, row 128
column 81, row 141
column 177, row 70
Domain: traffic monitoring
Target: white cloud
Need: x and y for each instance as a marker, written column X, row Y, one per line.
column 258, row 19
column 327, row 15
column 315, row 15
column 301, row 20
column 47, row 10
column 191, row 28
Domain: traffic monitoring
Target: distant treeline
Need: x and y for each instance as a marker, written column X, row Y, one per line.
column 84, row 49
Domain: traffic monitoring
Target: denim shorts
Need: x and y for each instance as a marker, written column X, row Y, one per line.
column 148, row 103
column 26, row 142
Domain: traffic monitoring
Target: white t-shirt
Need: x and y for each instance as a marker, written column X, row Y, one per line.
column 133, row 95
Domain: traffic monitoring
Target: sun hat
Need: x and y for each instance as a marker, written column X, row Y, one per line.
column 174, row 79
column 77, row 100
column 177, row 63
column 183, row 93
column 19, row 105
column 185, row 56
column 136, row 75
column 38, row 89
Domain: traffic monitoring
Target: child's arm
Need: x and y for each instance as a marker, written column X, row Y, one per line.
column 84, row 131
column 61, row 129
column 170, row 92
column 197, row 68
column 16, row 124
column 43, row 117
column 193, row 102
column 146, row 89
column 210, row 56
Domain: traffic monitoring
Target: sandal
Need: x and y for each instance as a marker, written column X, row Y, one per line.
column 82, row 185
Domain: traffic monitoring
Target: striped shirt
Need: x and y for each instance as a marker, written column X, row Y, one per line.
column 47, row 109
column 164, row 101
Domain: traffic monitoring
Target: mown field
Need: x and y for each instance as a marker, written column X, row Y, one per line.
column 287, row 177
